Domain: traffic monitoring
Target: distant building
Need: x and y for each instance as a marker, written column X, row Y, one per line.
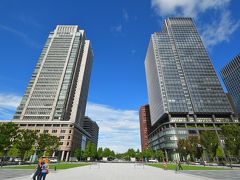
column 236, row 113
column 145, row 125
column 5, row 121
column 231, row 77
column 56, row 96
column 92, row 128
column 184, row 92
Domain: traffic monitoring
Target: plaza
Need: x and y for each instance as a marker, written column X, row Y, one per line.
column 123, row 171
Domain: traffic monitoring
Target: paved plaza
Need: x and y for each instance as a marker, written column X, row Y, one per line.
column 10, row 173
column 231, row 174
column 121, row 171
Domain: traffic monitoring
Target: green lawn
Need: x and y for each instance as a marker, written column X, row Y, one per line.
column 51, row 166
column 186, row 167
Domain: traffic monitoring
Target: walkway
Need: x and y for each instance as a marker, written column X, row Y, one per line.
column 116, row 171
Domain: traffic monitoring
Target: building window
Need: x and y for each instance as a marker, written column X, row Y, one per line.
column 61, row 137
column 45, row 131
column 54, row 131
column 63, row 131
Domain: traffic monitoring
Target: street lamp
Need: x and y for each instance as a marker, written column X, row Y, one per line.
column 5, row 150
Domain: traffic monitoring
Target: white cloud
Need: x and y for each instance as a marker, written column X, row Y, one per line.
column 222, row 25
column 29, row 21
column 117, row 28
column 8, row 105
column 125, row 15
column 186, row 7
column 19, row 34
column 125, row 19
column 220, row 30
column 119, row 129
column 133, row 51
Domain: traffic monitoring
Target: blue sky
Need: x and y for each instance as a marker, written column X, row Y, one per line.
column 119, row 32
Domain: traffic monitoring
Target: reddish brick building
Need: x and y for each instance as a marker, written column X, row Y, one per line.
column 145, row 124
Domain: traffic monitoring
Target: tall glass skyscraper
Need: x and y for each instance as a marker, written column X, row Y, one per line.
column 92, row 128
column 55, row 99
column 231, row 77
column 183, row 88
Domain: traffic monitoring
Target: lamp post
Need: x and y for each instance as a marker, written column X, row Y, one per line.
column 184, row 148
column 5, row 150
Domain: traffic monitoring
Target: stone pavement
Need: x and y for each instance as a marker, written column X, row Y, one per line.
column 117, row 171
column 10, row 173
column 226, row 175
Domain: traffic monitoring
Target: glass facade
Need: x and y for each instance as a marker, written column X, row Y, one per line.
column 180, row 76
column 231, row 77
column 184, row 92
column 51, row 91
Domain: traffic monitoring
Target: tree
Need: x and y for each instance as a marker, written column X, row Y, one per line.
column 13, row 151
column 100, row 153
column 231, row 135
column 106, row 152
column 194, row 147
column 131, row 153
column 119, row 156
column 86, row 152
column 159, row 155
column 210, row 142
column 112, row 154
column 92, row 151
column 29, row 153
column 147, row 153
column 138, row 155
column 190, row 146
column 8, row 134
column 47, row 143
column 78, row 153
column 54, row 143
column 183, row 145
column 219, row 153
column 24, row 141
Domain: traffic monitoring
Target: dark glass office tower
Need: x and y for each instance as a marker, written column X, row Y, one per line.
column 92, row 128
column 183, row 88
column 231, row 77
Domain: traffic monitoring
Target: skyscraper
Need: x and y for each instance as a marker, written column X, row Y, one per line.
column 184, row 92
column 236, row 113
column 231, row 77
column 92, row 128
column 145, row 125
column 56, row 96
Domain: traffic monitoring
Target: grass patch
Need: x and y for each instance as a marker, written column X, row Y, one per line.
column 51, row 166
column 186, row 167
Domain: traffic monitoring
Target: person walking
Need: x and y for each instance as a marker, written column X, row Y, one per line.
column 44, row 170
column 178, row 166
column 38, row 170
column 176, row 162
column 165, row 164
